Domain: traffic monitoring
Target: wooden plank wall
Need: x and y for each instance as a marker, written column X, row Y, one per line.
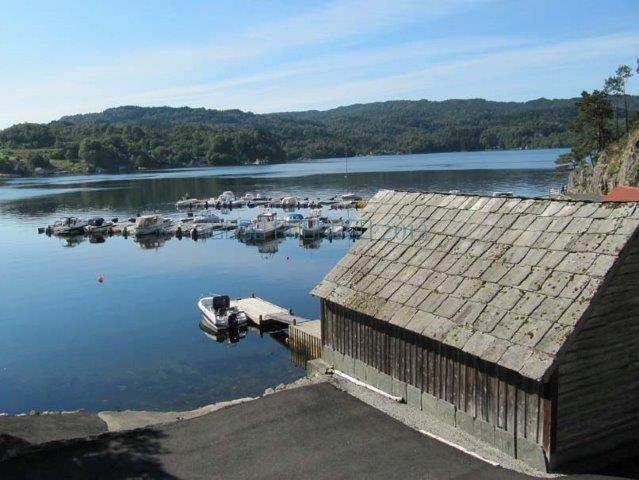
column 481, row 389
column 303, row 347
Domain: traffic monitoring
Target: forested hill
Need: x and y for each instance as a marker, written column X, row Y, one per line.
column 132, row 137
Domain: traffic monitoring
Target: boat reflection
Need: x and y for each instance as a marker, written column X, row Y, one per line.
column 148, row 242
column 310, row 243
column 231, row 335
column 266, row 249
column 72, row 240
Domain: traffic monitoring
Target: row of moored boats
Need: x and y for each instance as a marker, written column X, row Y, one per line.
column 228, row 200
column 265, row 226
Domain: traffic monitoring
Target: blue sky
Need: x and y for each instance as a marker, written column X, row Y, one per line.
column 68, row 57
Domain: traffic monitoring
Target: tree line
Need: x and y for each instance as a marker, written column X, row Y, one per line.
column 599, row 115
column 129, row 138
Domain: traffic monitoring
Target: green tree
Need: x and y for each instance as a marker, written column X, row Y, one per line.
column 590, row 132
column 624, row 72
column 613, row 87
column 38, row 160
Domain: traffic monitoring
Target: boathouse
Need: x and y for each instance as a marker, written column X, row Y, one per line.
column 514, row 319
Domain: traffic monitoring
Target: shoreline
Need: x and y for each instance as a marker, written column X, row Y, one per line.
column 62, row 173
column 23, row 431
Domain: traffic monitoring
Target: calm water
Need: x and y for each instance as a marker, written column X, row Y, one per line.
column 68, row 342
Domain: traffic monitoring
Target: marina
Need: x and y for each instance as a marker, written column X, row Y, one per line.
column 154, row 229
column 133, row 338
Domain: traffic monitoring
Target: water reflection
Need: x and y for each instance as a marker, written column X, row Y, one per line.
column 72, row 241
column 151, row 242
column 230, row 336
column 160, row 194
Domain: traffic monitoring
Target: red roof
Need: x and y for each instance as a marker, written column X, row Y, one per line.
column 622, row 194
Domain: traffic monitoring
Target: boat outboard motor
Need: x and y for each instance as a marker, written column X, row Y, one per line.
column 221, row 302
column 232, row 320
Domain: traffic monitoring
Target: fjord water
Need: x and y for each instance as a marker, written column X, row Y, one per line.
column 69, row 342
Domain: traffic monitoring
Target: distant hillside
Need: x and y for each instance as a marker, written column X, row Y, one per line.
column 132, row 137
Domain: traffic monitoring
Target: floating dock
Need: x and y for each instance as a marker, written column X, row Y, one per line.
column 262, row 312
column 304, row 335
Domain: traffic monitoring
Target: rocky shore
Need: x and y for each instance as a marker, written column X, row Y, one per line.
column 617, row 165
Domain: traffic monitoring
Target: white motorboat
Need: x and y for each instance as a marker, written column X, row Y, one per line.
column 97, row 225
column 150, row 225
column 248, row 197
column 311, row 226
column 68, row 226
column 206, row 216
column 226, row 198
column 351, row 197
column 201, row 230
column 263, row 227
column 290, row 202
column 187, row 203
column 219, row 314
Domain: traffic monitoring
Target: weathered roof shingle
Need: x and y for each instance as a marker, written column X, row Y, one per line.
column 506, row 279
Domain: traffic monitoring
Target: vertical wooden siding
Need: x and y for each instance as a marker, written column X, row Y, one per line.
column 481, row 389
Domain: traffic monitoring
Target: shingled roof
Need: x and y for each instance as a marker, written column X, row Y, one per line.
column 504, row 279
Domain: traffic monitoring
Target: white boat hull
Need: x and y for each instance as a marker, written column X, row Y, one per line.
column 212, row 321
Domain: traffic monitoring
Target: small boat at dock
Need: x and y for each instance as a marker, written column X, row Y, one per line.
column 150, row 225
column 265, row 226
column 290, row 202
column 294, row 218
column 351, row 197
column 68, row 226
column 206, row 216
column 226, row 198
column 311, row 226
column 98, row 225
column 201, row 230
column 186, row 202
column 219, row 314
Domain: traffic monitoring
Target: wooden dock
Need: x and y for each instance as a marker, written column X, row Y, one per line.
column 262, row 312
column 304, row 335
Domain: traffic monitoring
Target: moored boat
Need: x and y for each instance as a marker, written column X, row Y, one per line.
column 311, row 226
column 187, row 202
column 68, row 226
column 97, row 225
column 294, row 218
column 206, row 216
column 226, row 198
column 265, row 226
column 201, row 230
column 290, row 202
column 150, row 225
column 219, row 314
column 350, row 197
